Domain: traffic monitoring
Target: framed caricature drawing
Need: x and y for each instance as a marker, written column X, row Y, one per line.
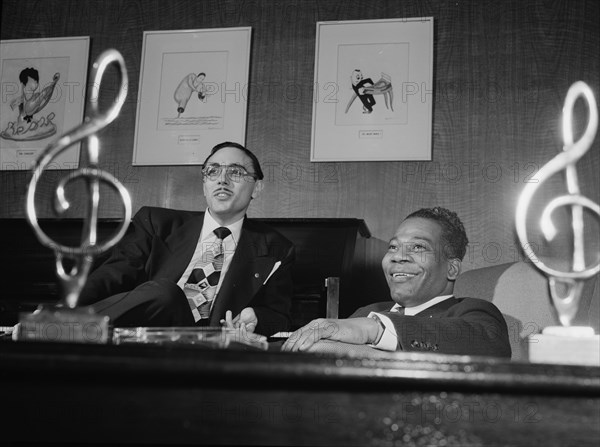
column 373, row 91
column 43, row 95
column 192, row 94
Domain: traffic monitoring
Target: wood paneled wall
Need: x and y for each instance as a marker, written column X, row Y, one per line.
column 502, row 70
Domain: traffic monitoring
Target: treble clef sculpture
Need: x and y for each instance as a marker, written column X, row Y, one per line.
column 74, row 280
column 566, row 306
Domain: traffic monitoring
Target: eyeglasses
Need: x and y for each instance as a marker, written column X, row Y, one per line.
column 233, row 172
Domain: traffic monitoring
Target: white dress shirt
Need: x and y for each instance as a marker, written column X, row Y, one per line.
column 206, row 241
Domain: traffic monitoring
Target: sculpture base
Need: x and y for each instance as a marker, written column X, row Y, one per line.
column 565, row 345
column 62, row 325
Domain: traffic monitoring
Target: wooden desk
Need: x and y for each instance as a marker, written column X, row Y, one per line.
column 185, row 395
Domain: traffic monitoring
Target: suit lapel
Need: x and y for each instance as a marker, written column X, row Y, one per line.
column 438, row 309
column 249, row 268
column 382, row 306
column 174, row 254
column 385, row 306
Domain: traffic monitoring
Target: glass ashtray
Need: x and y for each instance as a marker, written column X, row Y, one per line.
column 216, row 337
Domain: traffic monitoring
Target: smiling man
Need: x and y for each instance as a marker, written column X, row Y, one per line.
column 183, row 268
column 421, row 265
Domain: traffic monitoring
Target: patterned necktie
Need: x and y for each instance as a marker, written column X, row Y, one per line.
column 202, row 283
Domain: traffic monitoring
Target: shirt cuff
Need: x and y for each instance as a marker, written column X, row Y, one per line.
column 389, row 339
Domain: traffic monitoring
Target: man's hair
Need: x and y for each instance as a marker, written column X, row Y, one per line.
column 29, row 73
column 255, row 163
column 454, row 236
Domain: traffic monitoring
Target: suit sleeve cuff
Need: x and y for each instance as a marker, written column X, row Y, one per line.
column 389, row 339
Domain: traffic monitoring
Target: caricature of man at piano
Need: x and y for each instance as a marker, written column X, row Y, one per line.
column 365, row 88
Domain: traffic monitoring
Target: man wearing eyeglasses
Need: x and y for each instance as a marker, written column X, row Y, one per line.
column 183, row 268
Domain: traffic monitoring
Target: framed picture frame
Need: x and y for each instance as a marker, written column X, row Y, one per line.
column 373, row 91
column 192, row 94
column 43, row 96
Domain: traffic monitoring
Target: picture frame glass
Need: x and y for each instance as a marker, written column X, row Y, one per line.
column 373, row 90
column 192, row 94
column 43, row 96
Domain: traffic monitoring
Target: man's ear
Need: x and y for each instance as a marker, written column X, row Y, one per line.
column 454, row 267
column 258, row 187
column 204, row 189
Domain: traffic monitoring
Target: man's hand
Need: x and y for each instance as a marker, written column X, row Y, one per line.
column 245, row 323
column 247, row 320
column 358, row 331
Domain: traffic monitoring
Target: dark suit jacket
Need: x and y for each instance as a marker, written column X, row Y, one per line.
column 160, row 244
column 463, row 326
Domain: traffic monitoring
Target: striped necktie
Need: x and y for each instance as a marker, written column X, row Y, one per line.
column 202, row 283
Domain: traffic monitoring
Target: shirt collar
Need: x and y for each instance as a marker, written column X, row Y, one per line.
column 421, row 307
column 210, row 224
